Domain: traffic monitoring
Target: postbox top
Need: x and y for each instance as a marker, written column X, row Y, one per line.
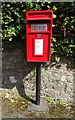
column 39, row 15
column 39, row 11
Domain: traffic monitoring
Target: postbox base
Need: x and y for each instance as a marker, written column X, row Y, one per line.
column 40, row 111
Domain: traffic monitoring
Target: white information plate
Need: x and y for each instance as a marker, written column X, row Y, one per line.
column 38, row 46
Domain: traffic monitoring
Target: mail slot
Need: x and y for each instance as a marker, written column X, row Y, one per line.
column 39, row 35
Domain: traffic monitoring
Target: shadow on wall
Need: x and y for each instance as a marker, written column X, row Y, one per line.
column 14, row 64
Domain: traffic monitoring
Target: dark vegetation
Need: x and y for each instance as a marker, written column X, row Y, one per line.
column 13, row 26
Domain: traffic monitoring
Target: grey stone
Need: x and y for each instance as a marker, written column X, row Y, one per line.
column 12, row 79
column 38, row 110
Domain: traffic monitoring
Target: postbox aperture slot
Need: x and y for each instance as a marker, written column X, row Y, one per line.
column 38, row 21
column 35, row 27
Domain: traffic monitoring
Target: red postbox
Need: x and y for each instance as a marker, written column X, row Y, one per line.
column 39, row 35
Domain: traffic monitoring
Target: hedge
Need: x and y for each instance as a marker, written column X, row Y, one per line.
column 13, row 24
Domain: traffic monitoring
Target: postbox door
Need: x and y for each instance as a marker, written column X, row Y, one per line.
column 38, row 47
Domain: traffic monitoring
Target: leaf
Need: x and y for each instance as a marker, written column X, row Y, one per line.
column 61, row 102
column 53, row 25
column 24, row 10
column 8, row 5
column 54, row 39
column 54, row 16
column 48, row 6
column 71, row 45
column 54, row 7
column 42, row 4
column 10, row 39
column 57, row 59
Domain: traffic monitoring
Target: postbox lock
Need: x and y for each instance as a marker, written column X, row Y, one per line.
column 38, row 35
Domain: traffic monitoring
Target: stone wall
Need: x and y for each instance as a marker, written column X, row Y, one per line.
column 57, row 81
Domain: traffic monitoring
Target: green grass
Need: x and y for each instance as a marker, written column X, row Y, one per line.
column 54, row 100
